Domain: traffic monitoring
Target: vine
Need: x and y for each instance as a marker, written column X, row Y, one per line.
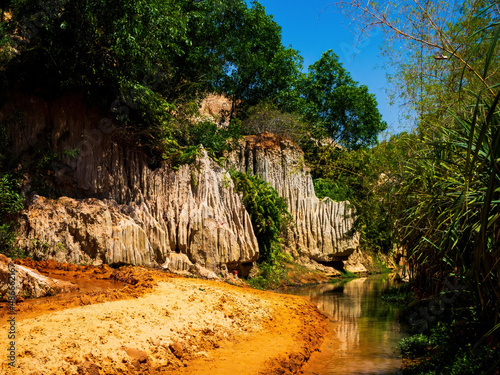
column 268, row 213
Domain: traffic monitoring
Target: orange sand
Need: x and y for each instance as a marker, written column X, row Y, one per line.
column 159, row 324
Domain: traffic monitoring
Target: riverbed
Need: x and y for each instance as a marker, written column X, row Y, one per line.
column 160, row 324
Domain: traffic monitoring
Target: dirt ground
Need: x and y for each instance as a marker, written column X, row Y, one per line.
column 150, row 322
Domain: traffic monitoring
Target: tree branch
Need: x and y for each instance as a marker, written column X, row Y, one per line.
column 381, row 18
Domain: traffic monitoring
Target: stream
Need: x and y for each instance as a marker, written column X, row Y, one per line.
column 364, row 330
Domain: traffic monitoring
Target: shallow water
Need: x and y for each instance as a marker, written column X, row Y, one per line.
column 364, row 330
column 85, row 284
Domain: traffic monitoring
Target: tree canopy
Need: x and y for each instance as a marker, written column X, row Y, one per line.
column 437, row 193
column 434, row 49
column 149, row 60
column 336, row 105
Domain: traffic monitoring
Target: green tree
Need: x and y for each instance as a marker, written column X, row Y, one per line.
column 257, row 67
column 334, row 103
column 149, row 61
column 451, row 185
column 370, row 180
column 434, row 48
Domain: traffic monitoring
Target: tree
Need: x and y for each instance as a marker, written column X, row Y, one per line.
column 268, row 213
column 435, row 48
column 257, row 67
column 332, row 101
column 370, row 180
column 148, row 61
column 451, row 187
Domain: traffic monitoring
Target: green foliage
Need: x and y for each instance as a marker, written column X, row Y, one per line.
column 178, row 156
column 369, row 179
column 449, row 215
column 453, row 222
column 258, row 68
column 336, row 106
column 444, row 351
column 147, row 110
column 267, row 211
column 267, row 117
column 400, row 295
column 8, row 241
column 432, row 50
column 325, row 187
column 194, row 180
column 379, row 265
column 149, row 56
column 348, row 275
column 5, row 52
column 82, row 44
column 11, row 200
column 273, row 274
column 150, row 63
column 414, row 346
column 214, row 138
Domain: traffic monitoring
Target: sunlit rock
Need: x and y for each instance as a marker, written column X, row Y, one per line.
column 18, row 281
column 116, row 204
column 322, row 228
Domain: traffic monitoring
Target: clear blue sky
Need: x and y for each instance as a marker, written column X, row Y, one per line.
column 310, row 28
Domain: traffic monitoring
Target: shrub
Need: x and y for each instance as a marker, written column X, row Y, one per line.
column 268, row 213
column 414, row 346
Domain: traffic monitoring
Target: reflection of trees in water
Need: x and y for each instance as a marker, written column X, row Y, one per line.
column 356, row 310
column 341, row 301
column 343, row 306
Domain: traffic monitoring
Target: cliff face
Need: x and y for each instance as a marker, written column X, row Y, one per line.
column 321, row 228
column 114, row 207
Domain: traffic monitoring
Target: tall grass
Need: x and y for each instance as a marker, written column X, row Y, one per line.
column 452, row 225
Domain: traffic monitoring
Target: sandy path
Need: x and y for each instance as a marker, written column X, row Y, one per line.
column 182, row 326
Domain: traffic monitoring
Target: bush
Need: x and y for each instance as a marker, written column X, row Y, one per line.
column 10, row 199
column 447, row 349
column 348, row 275
column 399, row 295
column 414, row 346
column 266, row 118
column 11, row 202
column 215, row 139
column 268, row 213
column 324, row 187
column 272, row 274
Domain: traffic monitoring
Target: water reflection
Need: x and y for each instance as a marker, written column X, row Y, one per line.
column 364, row 329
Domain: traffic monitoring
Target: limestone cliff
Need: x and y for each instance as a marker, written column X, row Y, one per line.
column 321, row 229
column 114, row 207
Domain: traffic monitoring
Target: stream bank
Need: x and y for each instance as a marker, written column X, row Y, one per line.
column 156, row 323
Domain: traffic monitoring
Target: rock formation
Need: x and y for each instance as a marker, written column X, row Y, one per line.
column 321, row 229
column 116, row 207
column 26, row 282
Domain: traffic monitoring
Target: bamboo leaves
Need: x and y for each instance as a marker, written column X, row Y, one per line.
column 453, row 228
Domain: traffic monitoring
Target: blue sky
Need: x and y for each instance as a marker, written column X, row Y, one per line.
column 310, row 28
